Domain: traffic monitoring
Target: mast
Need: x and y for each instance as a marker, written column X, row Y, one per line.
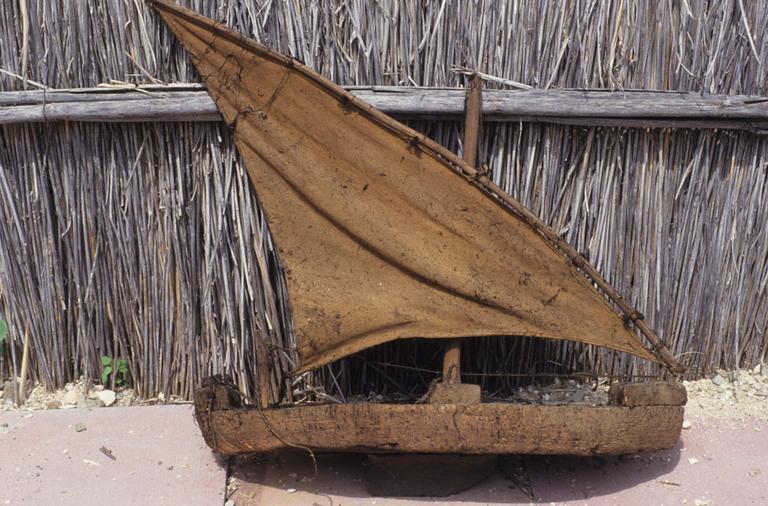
column 472, row 120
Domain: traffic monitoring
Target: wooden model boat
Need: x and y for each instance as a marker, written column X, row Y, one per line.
column 384, row 235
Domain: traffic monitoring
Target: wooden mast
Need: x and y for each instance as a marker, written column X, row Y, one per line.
column 474, row 107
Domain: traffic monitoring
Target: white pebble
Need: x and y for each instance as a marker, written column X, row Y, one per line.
column 107, row 397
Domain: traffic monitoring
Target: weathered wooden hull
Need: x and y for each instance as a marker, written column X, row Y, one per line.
column 483, row 428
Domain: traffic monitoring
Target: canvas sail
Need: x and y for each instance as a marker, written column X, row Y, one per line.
column 380, row 237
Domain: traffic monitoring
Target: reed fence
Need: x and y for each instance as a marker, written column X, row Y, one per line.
column 145, row 241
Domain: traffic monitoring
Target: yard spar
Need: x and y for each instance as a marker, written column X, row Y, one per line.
column 385, row 235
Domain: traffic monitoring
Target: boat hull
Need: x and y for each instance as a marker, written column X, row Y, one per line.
column 483, row 428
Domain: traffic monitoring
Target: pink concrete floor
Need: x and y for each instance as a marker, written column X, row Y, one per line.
column 160, row 458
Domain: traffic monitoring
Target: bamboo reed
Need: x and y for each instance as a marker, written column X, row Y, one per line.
column 145, row 241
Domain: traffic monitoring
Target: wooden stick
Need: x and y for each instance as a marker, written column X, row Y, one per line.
column 452, row 362
column 189, row 102
column 24, row 40
column 24, row 367
column 474, row 107
column 263, row 371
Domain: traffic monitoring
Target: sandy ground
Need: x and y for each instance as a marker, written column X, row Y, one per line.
column 79, row 395
column 737, row 395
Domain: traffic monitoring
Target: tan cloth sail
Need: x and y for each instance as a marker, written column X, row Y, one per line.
column 380, row 237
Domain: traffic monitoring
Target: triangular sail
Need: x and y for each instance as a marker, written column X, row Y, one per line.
column 380, row 237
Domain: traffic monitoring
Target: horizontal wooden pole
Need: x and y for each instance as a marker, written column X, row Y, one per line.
column 190, row 102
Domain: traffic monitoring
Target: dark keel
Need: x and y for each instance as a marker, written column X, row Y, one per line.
column 435, row 475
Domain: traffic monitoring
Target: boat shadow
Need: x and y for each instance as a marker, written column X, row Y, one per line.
column 559, row 479
column 290, row 478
